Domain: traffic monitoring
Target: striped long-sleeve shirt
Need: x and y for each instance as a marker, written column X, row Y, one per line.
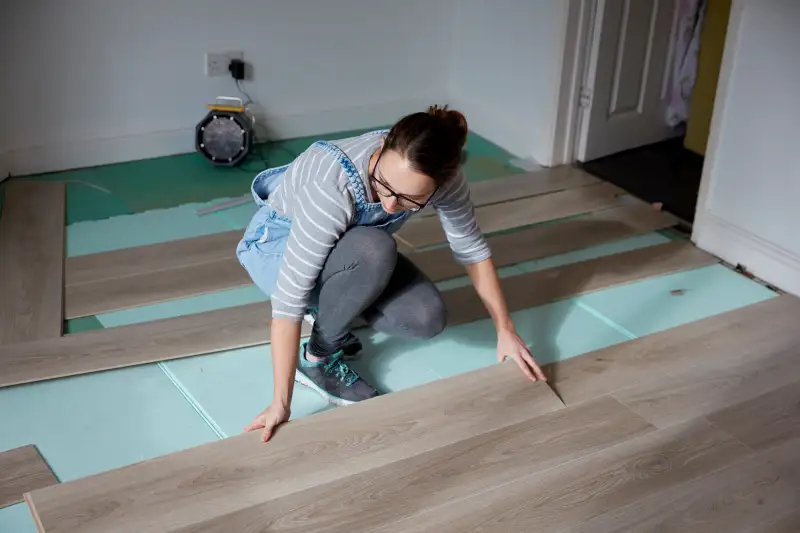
column 316, row 194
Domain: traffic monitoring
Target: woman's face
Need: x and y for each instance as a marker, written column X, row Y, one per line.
column 398, row 186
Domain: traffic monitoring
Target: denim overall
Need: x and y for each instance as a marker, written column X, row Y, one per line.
column 261, row 249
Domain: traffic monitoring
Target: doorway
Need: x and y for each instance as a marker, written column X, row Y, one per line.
column 635, row 127
column 664, row 173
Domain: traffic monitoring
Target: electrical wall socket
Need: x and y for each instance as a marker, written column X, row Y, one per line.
column 217, row 62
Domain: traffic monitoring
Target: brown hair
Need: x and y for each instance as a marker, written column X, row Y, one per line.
column 431, row 141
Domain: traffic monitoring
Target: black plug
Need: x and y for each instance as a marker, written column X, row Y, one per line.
column 236, row 68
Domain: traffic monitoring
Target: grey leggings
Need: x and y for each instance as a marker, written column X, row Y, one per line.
column 365, row 276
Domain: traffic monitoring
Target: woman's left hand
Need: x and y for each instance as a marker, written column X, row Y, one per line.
column 510, row 346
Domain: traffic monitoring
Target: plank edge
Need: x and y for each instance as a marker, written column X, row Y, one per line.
column 34, row 514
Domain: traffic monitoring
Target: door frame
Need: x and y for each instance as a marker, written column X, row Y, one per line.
column 575, row 71
column 574, row 75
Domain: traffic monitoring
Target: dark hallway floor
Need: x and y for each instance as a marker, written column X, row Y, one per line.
column 663, row 172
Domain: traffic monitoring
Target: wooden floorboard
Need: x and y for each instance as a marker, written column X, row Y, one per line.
column 544, row 286
column 537, row 242
column 718, row 342
column 368, row 500
column 193, row 278
column 765, row 421
column 199, row 484
column 568, row 495
column 733, row 500
column 32, row 261
column 22, row 470
column 135, row 344
column 248, row 325
column 518, row 213
column 544, row 181
column 138, row 260
column 87, row 299
column 689, row 391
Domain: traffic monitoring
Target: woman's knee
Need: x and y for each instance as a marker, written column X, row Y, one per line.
column 428, row 320
column 371, row 248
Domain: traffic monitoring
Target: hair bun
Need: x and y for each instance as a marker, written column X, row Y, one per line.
column 454, row 119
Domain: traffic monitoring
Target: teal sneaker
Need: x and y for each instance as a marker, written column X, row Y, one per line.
column 333, row 379
column 351, row 347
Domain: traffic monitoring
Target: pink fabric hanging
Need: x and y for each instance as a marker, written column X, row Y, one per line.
column 684, row 65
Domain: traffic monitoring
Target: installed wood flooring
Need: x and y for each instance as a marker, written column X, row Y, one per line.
column 694, row 429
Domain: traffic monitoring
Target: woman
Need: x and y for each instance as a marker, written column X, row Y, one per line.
column 321, row 241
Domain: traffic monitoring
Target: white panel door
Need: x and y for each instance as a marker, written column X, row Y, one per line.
column 624, row 100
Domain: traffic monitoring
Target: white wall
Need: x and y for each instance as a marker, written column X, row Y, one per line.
column 749, row 207
column 97, row 81
column 506, row 71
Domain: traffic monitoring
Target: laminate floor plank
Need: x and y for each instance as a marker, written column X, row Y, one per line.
column 224, row 477
column 195, row 277
column 568, row 495
column 544, row 181
column 32, row 261
column 577, row 233
column 717, row 342
column 22, row 470
column 87, row 299
column 765, row 421
column 248, row 325
column 136, row 344
column 733, row 500
column 692, row 392
column 139, row 260
column 428, row 231
column 553, row 284
column 383, row 495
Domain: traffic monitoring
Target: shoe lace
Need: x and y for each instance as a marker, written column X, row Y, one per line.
column 338, row 368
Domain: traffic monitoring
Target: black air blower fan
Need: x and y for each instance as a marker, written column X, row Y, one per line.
column 225, row 135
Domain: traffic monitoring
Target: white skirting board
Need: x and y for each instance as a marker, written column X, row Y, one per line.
column 735, row 245
column 94, row 152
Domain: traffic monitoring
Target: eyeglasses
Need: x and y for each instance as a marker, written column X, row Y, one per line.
column 403, row 201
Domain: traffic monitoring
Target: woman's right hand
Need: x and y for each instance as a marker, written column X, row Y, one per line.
column 268, row 420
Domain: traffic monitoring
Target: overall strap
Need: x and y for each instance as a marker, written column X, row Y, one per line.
column 356, row 183
column 265, row 182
